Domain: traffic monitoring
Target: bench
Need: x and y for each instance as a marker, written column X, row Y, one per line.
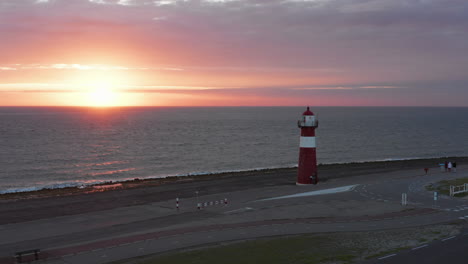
column 19, row 255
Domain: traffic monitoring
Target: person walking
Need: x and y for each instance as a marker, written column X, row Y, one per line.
column 446, row 166
column 449, row 166
column 454, row 165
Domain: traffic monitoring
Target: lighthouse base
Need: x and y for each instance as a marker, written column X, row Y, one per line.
column 305, row 184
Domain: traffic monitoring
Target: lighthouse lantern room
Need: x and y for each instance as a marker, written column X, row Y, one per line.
column 307, row 166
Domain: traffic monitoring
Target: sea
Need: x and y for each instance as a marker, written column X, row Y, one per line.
column 56, row 147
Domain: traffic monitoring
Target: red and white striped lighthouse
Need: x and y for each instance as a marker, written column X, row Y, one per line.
column 307, row 166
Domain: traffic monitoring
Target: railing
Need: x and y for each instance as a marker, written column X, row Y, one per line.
column 301, row 123
column 458, row 189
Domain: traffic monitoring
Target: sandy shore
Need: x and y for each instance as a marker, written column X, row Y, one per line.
column 19, row 207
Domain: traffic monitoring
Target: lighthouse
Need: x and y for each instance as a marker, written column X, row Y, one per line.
column 307, row 166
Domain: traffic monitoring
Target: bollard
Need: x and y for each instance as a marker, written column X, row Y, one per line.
column 404, row 199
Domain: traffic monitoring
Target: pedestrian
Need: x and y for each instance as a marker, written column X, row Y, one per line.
column 425, row 170
column 449, row 166
column 446, row 166
column 454, row 165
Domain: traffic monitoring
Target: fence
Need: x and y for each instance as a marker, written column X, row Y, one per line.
column 458, row 189
column 211, row 203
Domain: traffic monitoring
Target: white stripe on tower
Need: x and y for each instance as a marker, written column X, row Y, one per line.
column 307, row 142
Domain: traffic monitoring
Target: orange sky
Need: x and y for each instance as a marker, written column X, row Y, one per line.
column 231, row 53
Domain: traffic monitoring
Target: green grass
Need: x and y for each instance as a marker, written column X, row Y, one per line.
column 301, row 249
column 337, row 248
column 443, row 187
column 339, row 258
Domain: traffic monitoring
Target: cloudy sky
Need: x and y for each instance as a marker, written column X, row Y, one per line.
column 234, row 52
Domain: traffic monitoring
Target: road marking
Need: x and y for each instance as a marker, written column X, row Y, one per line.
column 448, row 238
column 423, row 246
column 318, row 192
column 388, row 256
column 239, row 210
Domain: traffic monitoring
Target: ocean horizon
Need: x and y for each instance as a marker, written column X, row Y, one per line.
column 55, row 147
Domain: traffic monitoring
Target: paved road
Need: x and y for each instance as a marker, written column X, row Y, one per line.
column 103, row 236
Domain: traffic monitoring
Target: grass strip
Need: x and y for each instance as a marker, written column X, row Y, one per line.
column 339, row 248
column 443, row 187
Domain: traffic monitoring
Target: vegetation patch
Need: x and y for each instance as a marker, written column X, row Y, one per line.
column 338, row 248
column 443, row 187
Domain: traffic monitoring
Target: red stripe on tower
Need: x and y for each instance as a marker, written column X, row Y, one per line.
column 307, row 166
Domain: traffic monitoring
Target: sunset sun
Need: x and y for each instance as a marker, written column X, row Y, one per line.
column 102, row 97
column 101, row 94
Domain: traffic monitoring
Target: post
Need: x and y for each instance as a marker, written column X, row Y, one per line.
column 404, row 199
column 435, row 199
column 177, row 203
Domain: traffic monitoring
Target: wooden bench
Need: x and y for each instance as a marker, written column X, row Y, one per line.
column 19, row 255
